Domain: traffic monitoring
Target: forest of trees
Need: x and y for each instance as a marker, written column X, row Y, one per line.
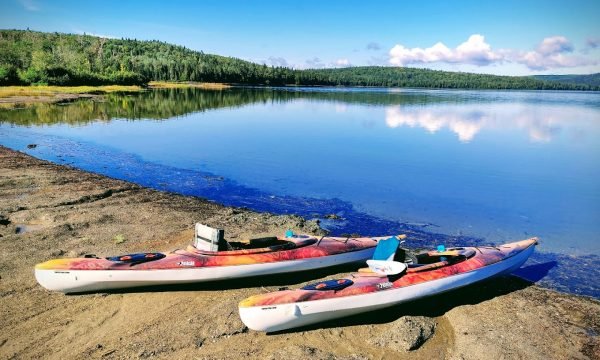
column 30, row 57
column 592, row 80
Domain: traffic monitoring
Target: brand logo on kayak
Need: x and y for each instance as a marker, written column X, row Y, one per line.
column 269, row 308
column 385, row 285
column 187, row 263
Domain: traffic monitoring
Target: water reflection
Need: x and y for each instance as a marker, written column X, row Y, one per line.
column 165, row 104
column 156, row 105
column 542, row 124
column 465, row 113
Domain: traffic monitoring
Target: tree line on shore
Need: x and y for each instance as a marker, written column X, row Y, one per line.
column 588, row 79
column 30, row 57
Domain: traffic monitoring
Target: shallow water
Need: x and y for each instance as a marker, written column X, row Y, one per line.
column 488, row 165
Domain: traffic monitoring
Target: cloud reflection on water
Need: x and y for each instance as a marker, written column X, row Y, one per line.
column 468, row 120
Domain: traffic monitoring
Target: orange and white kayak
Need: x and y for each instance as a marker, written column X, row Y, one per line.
column 276, row 256
column 435, row 272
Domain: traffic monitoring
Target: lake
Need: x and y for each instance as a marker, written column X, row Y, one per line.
column 477, row 166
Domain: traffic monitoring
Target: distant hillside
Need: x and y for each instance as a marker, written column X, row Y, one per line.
column 30, row 57
column 412, row 77
column 590, row 80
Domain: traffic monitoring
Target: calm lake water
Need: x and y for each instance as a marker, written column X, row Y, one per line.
column 490, row 166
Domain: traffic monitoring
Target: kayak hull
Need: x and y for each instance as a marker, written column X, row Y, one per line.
column 276, row 317
column 94, row 275
column 70, row 281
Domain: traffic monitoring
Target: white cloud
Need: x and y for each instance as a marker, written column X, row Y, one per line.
column 552, row 52
column 476, row 51
column 30, row 5
column 342, row 62
column 473, row 51
column 537, row 61
column 554, row 45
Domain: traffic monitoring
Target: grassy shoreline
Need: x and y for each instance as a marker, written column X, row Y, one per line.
column 187, row 84
column 48, row 90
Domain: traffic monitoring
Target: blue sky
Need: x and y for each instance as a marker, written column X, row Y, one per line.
column 498, row 37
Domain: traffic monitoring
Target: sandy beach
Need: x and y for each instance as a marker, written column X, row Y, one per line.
column 49, row 211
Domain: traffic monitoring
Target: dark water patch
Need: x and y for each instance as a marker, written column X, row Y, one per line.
column 574, row 274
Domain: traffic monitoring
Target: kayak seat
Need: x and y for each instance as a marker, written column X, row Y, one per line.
column 246, row 248
column 383, row 260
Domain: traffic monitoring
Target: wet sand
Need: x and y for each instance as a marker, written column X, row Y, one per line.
column 49, row 211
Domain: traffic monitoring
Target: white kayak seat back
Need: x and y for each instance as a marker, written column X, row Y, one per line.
column 207, row 238
column 386, row 267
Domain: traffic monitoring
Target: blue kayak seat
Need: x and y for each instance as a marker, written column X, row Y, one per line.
column 386, row 249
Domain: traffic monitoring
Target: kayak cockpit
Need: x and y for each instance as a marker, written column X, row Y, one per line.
column 431, row 260
column 436, row 259
column 264, row 242
column 211, row 241
column 257, row 246
column 451, row 255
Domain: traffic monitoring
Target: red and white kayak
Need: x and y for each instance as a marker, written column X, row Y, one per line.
column 278, row 255
column 436, row 272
